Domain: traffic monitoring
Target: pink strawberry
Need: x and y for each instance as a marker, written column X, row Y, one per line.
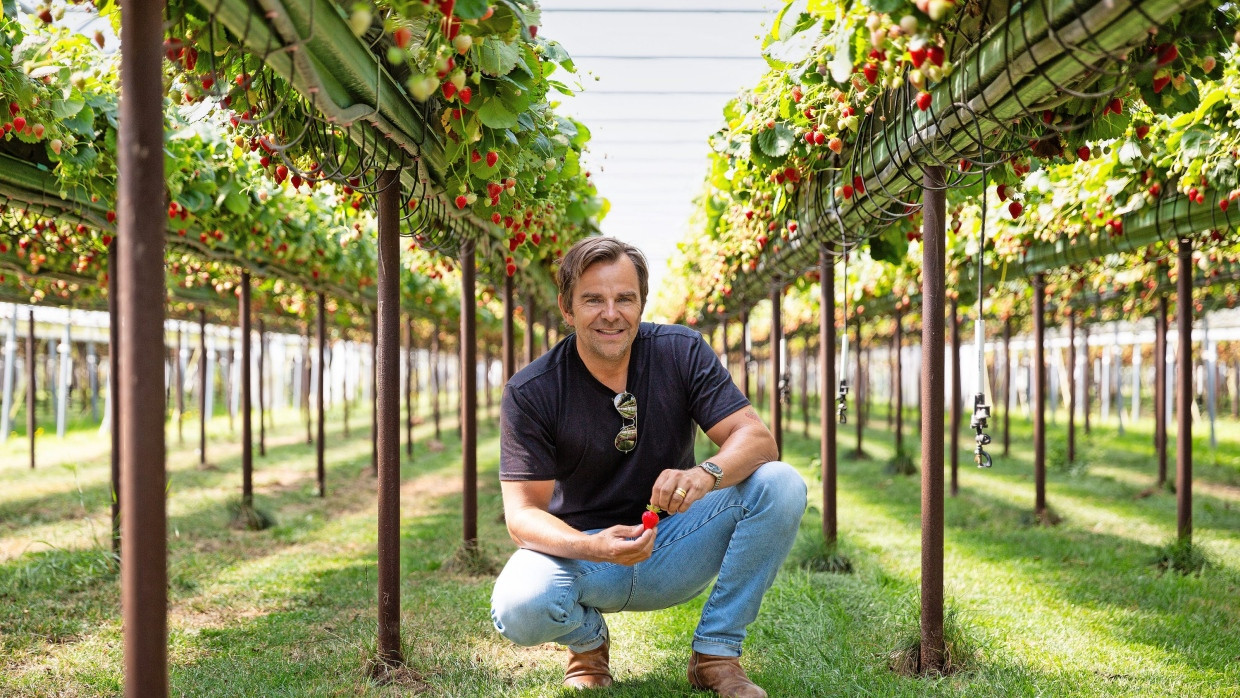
column 402, row 36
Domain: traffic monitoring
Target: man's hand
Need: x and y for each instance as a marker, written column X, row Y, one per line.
column 676, row 489
column 623, row 545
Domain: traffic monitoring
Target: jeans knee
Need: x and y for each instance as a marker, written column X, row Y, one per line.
column 524, row 617
column 784, row 487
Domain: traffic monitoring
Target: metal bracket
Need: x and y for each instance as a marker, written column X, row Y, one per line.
column 981, row 415
column 841, row 402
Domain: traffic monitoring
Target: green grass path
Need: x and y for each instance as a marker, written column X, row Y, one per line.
column 1077, row 609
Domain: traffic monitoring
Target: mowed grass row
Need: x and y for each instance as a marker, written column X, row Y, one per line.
column 1075, row 609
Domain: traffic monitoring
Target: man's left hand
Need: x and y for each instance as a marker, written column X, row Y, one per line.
column 676, row 489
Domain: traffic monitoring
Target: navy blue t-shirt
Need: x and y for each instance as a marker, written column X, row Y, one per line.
column 558, row 422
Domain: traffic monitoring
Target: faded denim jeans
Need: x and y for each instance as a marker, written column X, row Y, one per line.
column 739, row 535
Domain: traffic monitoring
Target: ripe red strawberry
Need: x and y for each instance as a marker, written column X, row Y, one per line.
column 492, row 158
column 923, row 101
column 1224, row 204
column 917, row 55
column 819, row 138
column 111, row 216
column 496, row 218
column 402, row 36
column 1167, row 53
column 511, row 269
column 45, row 15
column 461, row 201
column 847, row 191
column 533, row 31
column 1015, row 208
column 494, row 189
column 208, row 82
column 281, row 173
column 1083, row 153
column 935, row 54
column 1116, row 106
column 19, row 123
column 1142, row 130
column 1160, row 83
column 474, row 156
column 466, row 94
column 1001, row 192
column 650, row 517
column 871, row 73
column 859, row 184
column 13, row 108
column 449, row 90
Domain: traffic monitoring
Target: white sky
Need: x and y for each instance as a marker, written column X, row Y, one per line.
column 665, row 69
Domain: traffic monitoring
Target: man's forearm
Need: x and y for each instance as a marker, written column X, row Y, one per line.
column 545, row 532
column 743, row 452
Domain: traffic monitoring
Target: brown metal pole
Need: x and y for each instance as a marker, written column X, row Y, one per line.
column 826, row 384
column 262, row 397
column 247, row 436
column 1071, row 385
column 858, row 395
column 435, row 377
column 745, row 358
column 1160, row 388
column 508, row 347
column 410, row 376
column 898, row 338
column 486, row 375
column 386, row 319
column 469, row 394
column 321, row 322
column 892, row 359
column 374, row 386
column 203, row 386
column 932, row 312
column 307, row 375
column 1184, row 394
column 957, row 397
column 114, row 388
column 1007, row 384
column 804, row 387
column 140, row 238
column 777, row 333
column 529, row 330
column 1087, row 377
column 31, row 387
column 180, row 387
column 1039, row 395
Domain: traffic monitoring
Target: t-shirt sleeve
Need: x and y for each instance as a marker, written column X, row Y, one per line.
column 526, row 446
column 712, row 393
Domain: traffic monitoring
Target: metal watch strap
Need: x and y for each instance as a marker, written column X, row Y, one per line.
column 715, row 472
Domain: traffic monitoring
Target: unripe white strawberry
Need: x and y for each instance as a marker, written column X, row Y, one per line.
column 908, row 24
column 462, row 43
column 458, row 78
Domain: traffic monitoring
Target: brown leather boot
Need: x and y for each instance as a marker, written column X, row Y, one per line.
column 723, row 675
column 589, row 669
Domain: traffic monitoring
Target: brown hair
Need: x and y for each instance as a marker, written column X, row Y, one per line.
column 592, row 250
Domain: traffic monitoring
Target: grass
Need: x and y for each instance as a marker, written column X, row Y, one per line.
column 1078, row 609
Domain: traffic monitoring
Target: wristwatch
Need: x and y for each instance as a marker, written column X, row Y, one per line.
column 714, row 470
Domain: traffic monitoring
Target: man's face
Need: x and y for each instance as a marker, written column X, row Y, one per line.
column 606, row 309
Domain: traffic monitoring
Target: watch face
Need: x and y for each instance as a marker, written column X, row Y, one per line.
column 712, row 468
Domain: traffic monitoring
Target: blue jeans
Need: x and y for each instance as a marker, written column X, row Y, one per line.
column 740, row 535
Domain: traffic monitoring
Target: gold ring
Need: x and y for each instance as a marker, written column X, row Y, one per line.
column 681, row 491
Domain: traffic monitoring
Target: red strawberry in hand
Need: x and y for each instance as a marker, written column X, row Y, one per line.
column 650, row 517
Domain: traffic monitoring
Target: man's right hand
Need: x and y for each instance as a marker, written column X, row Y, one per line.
column 623, row 545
